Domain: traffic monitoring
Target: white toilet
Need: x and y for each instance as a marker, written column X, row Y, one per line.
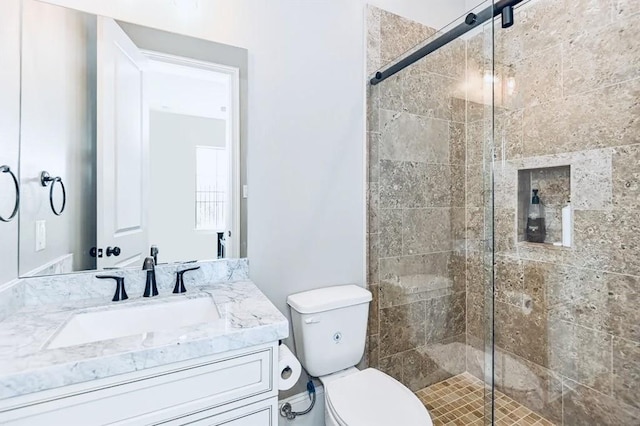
column 329, row 328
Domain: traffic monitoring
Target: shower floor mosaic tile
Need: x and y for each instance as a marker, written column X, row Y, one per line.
column 459, row 400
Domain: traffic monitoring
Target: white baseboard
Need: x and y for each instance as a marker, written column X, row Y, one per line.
column 300, row 402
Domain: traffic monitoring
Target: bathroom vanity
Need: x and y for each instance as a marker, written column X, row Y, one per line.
column 211, row 357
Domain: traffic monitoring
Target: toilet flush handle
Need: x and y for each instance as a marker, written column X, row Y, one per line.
column 312, row 320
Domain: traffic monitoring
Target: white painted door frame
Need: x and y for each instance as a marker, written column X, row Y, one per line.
column 232, row 138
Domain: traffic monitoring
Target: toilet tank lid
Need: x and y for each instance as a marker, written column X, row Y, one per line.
column 328, row 298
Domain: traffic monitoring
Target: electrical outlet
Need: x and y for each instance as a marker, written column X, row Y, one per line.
column 41, row 235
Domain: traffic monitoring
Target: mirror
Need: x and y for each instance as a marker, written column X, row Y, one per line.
column 132, row 140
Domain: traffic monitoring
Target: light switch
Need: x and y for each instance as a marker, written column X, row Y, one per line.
column 245, row 191
column 41, row 235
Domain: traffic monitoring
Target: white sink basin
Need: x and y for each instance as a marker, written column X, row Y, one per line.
column 121, row 321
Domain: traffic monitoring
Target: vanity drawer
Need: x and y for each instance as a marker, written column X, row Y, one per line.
column 167, row 395
column 263, row 413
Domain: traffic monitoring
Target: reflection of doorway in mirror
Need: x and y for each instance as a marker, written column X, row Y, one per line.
column 194, row 149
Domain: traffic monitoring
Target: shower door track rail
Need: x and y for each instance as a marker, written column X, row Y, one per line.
column 472, row 20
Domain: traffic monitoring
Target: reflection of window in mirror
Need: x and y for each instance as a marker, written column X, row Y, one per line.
column 212, row 189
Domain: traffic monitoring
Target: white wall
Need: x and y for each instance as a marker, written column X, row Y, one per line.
column 56, row 132
column 172, row 143
column 9, row 133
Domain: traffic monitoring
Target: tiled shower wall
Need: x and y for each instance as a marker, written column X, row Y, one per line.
column 567, row 323
column 567, row 320
column 416, row 192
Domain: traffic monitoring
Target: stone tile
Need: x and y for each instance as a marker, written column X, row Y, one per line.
column 543, row 23
column 609, row 116
column 508, row 134
column 581, row 354
column 373, row 201
column 458, row 229
column 625, row 9
column 474, row 223
column 373, row 259
column 374, row 311
column 413, row 278
column 477, row 315
column 476, row 356
column 392, row 365
column 607, row 240
column 374, row 350
column 594, row 299
column 505, row 188
column 625, row 163
column 374, row 60
column 426, row 230
column 475, row 185
column 374, row 99
column 402, row 184
column 594, row 59
column 504, row 228
column 444, row 186
column 433, row 363
column 457, row 143
column 591, row 185
column 584, row 406
column 449, row 60
column 509, row 280
column 402, row 328
column 537, row 77
column 536, row 387
column 429, row 94
column 626, row 371
column 523, row 332
column 410, row 137
column 458, row 270
column 390, row 92
column 399, row 35
column 373, row 159
column 390, row 233
column 478, row 141
column 445, row 317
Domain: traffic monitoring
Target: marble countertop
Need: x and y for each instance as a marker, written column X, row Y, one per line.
column 248, row 318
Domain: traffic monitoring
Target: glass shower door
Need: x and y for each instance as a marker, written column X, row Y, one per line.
column 567, row 278
column 430, row 215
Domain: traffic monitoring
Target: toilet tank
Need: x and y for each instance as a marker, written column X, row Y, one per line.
column 330, row 327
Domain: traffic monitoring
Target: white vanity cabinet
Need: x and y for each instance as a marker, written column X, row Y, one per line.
column 237, row 388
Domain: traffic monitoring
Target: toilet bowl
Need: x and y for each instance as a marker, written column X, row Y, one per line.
column 371, row 398
column 329, row 327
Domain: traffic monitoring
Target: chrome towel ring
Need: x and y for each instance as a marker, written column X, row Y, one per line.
column 45, row 179
column 6, row 169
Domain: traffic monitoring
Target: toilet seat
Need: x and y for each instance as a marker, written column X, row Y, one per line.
column 372, row 398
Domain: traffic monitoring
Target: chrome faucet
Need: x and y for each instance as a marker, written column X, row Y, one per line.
column 150, row 288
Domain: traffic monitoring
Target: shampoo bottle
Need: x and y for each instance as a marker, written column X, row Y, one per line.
column 536, row 231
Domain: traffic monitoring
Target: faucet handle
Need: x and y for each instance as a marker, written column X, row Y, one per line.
column 179, row 288
column 120, row 293
column 148, row 264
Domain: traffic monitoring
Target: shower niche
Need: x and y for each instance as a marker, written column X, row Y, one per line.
column 544, row 210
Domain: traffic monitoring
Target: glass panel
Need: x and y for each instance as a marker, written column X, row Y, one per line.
column 566, row 311
column 430, row 227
